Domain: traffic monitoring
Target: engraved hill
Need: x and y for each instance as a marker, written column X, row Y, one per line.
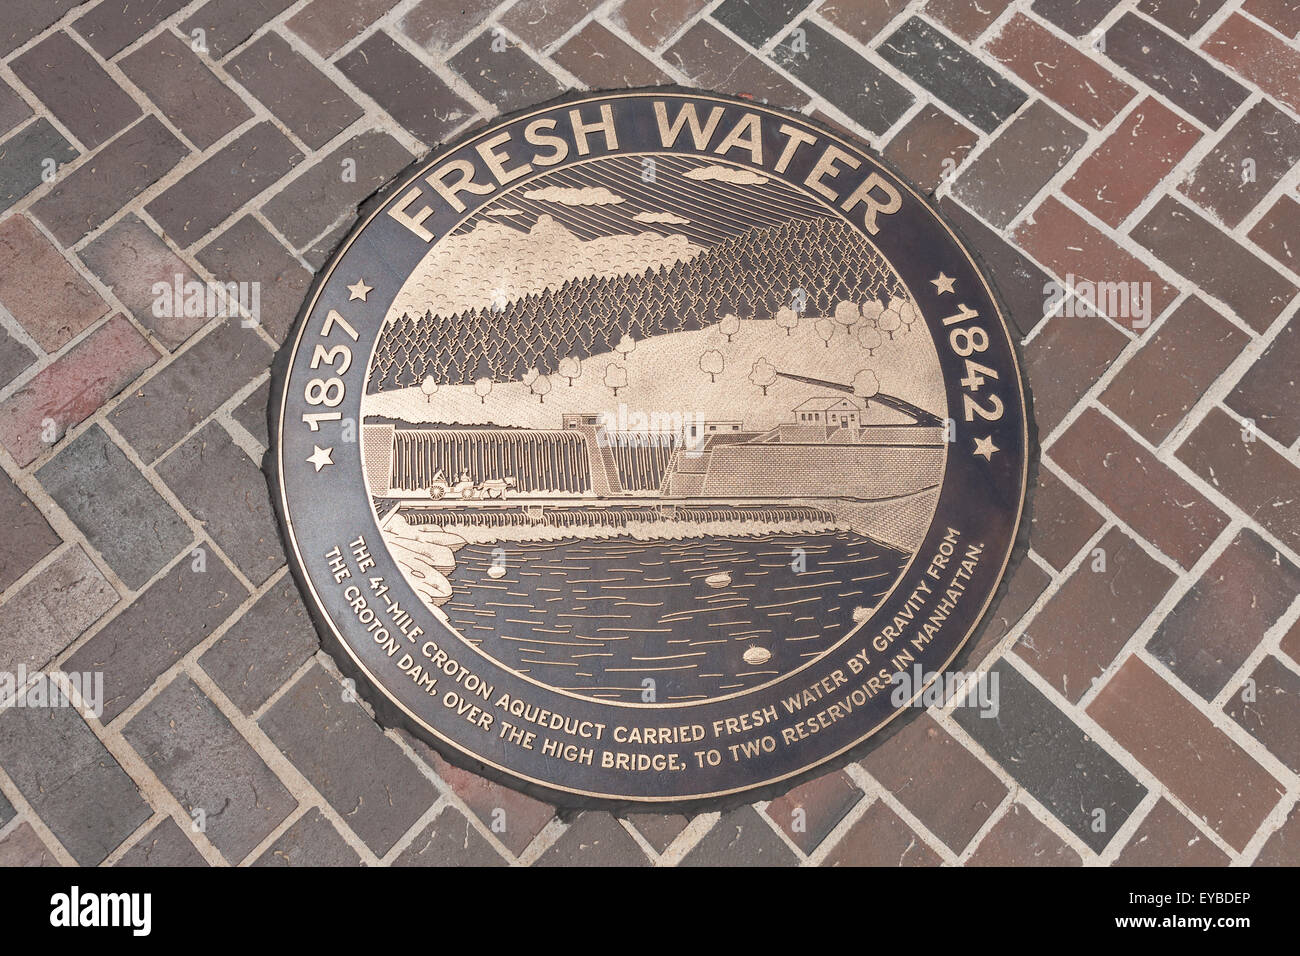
column 814, row 263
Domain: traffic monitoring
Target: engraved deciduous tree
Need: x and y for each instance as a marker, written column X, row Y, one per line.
column 787, row 318
column 889, row 322
column 865, row 385
column 429, row 386
column 615, row 377
column 869, row 338
column 762, row 374
column 570, row 368
column 826, row 329
column 847, row 315
column 712, row 362
column 482, row 388
column 626, row 345
column 729, row 326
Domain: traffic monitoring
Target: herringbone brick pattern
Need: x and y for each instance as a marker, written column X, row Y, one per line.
column 1148, row 648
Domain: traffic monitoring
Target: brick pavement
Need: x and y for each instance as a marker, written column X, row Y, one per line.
column 1148, row 647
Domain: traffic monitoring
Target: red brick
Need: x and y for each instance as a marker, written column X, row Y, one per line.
column 1065, row 359
column 1278, row 232
column 930, row 147
column 1212, row 775
column 659, row 829
column 28, row 537
column 1218, row 623
column 1061, row 521
column 1256, row 478
column 1283, row 847
column 717, row 62
column 880, row 837
column 1144, row 492
column 73, row 388
column 919, row 765
column 964, row 18
column 1131, row 161
column 1059, row 71
column 438, row 24
column 1062, row 241
column 327, row 25
column 1282, row 15
column 863, row 21
column 1259, row 56
column 1184, row 17
column 1173, row 369
column 111, row 26
column 653, row 23
column 1290, row 643
column 539, row 23
column 1023, row 587
column 1218, row 263
column 1090, row 618
column 1272, row 715
column 818, row 806
column 41, row 290
column 1167, row 838
column 1269, row 393
column 1263, row 136
column 520, row 818
column 1019, row 839
column 601, row 60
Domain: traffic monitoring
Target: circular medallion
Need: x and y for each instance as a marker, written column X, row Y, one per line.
column 650, row 446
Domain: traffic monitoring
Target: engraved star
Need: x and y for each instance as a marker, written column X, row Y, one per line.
column 985, row 447
column 943, row 283
column 359, row 290
column 321, row 457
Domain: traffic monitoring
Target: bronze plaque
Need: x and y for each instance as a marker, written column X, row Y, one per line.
column 631, row 448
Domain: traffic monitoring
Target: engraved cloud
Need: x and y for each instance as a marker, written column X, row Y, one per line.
column 575, row 195
column 726, row 174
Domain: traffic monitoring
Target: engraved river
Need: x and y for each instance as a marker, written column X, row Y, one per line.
column 697, row 617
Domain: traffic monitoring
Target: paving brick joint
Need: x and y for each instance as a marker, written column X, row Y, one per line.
column 1129, row 173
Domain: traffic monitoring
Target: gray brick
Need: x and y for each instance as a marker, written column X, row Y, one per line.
column 22, row 847
column 251, row 413
column 311, row 841
column 228, row 23
column 207, row 765
column 76, row 89
column 225, row 490
column 83, row 200
column 7, row 811
column 111, row 26
column 594, row 839
column 304, row 98
column 164, row 845
column 164, row 623
column 1052, row 758
column 363, row 774
column 757, row 21
column 259, row 652
column 208, row 194
column 28, row 536
column 187, row 92
column 741, row 838
column 24, row 19
column 70, row 779
column 319, row 198
column 450, row 840
column 15, row 358
column 52, row 610
column 163, row 410
column 1002, row 180
column 247, row 252
column 508, row 78
column 865, row 94
column 22, row 156
column 130, row 259
column 953, row 74
column 119, row 512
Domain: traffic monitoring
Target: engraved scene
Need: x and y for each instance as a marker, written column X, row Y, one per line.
column 654, row 429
